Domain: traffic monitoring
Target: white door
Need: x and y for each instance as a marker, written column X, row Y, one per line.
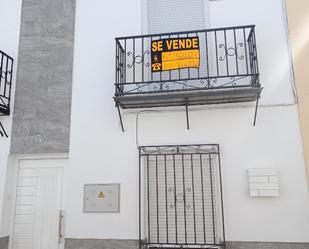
column 38, row 204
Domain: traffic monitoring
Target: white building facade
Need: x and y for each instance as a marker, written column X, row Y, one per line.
column 76, row 55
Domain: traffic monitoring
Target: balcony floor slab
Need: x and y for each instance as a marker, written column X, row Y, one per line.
column 189, row 98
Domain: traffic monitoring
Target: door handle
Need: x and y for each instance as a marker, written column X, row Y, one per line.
column 60, row 236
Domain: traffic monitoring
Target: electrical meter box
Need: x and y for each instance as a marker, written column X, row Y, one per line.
column 101, row 198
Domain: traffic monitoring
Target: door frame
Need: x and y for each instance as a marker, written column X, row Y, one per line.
column 14, row 162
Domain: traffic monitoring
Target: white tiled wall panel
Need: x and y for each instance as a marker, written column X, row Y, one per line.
column 263, row 182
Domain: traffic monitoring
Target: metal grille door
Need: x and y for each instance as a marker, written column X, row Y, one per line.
column 180, row 197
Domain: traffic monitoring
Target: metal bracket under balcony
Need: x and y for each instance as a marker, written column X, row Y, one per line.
column 228, row 71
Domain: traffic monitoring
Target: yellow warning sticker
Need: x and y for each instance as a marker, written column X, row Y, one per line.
column 101, row 195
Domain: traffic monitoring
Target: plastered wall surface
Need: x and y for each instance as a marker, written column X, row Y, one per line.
column 272, row 43
column 298, row 18
column 9, row 27
column 101, row 153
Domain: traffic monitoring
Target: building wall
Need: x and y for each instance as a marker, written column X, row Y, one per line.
column 9, row 197
column 40, row 35
column 298, row 17
column 44, row 78
column 101, row 153
column 9, row 27
column 272, row 43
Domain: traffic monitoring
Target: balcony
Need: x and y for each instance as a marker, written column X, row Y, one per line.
column 6, row 70
column 224, row 69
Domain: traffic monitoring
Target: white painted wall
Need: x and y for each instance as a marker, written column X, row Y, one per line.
column 96, row 141
column 9, row 196
column 273, row 50
column 101, row 153
column 9, row 28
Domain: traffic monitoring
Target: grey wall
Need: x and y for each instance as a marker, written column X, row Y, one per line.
column 41, row 121
column 4, row 243
column 100, row 244
column 133, row 244
column 265, row 245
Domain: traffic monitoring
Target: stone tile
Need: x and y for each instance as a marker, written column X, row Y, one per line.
column 41, row 121
column 133, row 244
column 266, row 245
column 4, row 243
column 100, row 244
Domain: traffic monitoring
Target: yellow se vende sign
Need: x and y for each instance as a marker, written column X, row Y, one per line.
column 175, row 53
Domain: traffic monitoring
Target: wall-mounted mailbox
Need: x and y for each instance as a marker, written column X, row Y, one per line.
column 263, row 182
column 101, row 198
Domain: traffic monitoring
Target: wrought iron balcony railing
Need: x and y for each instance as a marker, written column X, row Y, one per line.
column 228, row 70
column 6, row 72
